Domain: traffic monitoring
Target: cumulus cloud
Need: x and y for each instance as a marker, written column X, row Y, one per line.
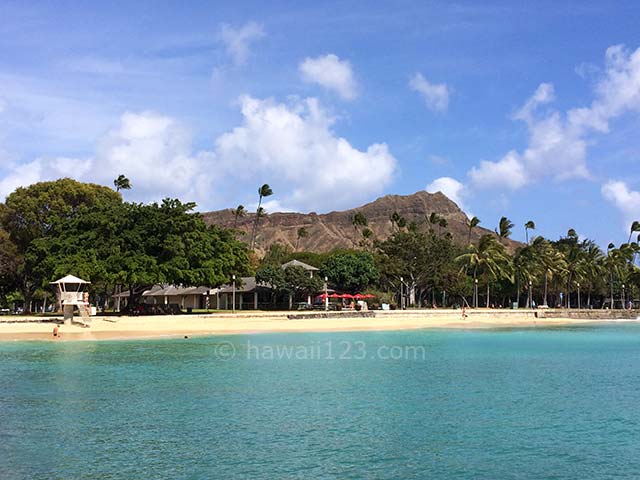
column 508, row 172
column 558, row 142
column 237, row 41
column 293, row 148
column 152, row 150
column 452, row 188
column 331, row 73
column 625, row 200
column 435, row 95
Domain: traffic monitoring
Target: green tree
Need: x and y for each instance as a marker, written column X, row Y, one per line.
column 42, row 211
column 635, row 227
column 122, row 183
column 351, row 271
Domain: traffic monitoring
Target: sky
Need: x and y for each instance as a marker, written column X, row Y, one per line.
column 529, row 110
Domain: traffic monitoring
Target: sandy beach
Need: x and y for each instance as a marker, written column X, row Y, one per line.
column 113, row 328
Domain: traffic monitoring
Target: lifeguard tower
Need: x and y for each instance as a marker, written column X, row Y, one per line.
column 71, row 295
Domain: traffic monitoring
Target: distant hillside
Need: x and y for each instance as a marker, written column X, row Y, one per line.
column 332, row 230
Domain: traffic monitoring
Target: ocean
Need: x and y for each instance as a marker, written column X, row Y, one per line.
column 557, row 403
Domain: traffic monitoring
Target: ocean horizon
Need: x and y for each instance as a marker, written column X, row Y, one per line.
column 550, row 403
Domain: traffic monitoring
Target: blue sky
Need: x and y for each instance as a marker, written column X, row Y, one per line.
column 529, row 110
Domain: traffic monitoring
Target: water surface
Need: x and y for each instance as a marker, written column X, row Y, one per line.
column 522, row 403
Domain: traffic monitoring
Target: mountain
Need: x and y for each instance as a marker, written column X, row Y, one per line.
column 335, row 229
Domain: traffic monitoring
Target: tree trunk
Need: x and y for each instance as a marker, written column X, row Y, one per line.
column 487, row 294
column 545, row 289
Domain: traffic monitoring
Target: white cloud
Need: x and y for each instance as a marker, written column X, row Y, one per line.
column 625, row 199
column 436, row 95
column 238, row 40
column 292, row 147
column 452, row 188
column 558, row 143
column 508, row 172
column 152, row 150
column 332, row 73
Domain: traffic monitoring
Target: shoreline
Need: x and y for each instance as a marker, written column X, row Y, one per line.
column 247, row 323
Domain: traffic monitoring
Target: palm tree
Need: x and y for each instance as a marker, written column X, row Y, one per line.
column 471, row 224
column 593, row 266
column 263, row 191
column 302, row 233
column 488, row 259
column 237, row 213
column 504, row 228
column 530, row 225
column 551, row 263
column 122, row 183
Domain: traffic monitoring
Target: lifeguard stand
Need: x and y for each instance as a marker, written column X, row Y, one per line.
column 71, row 294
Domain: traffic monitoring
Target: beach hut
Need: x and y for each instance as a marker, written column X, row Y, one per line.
column 71, row 295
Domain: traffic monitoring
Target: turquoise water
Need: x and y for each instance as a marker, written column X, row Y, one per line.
column 557, row 403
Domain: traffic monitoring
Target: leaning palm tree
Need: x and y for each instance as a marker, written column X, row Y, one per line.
column 263, row 191
column 237, row 213
column 530, row 225
column 471, row 224
column 302, row 233
column 122, row 183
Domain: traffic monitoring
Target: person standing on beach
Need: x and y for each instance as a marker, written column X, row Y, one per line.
column 56, row 331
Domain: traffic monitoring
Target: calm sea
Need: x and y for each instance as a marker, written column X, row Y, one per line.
column 560, row 403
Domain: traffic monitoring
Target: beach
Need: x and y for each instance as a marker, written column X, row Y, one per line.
column 140, row 327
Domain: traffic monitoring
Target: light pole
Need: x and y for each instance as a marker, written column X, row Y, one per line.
column 529, row 301
column 233, row 293
column 326, row 295
column 401, row 293
column 578, row 284
column 475, row 293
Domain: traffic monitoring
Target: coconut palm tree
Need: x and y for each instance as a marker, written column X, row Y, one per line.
column 433, row 219
column 122, row 183
column 593, row 266
column 504, row 228
column 551, row 262
column 526, row 270
column 237, row 213
column 264, row 191
column 471, row 224
column 395, row 219
column 302, row 233
column 487, row 259
column 530, row 225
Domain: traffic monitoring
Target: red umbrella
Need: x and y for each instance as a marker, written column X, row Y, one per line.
column 323, row 296
column 346, row 295
column 358, row 296
column 335, row 295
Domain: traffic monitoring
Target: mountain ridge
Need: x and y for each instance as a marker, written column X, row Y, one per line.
column 334, row 229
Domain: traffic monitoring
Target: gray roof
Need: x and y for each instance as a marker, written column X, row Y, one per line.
column 298, row 263
column 248, row 285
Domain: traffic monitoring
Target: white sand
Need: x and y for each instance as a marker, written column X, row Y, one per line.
column 103, row 328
